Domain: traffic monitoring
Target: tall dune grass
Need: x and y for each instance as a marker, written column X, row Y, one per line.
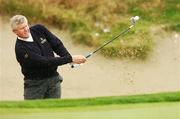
column 92, row 22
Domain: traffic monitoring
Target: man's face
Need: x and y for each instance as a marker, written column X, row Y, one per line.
column 22, row 30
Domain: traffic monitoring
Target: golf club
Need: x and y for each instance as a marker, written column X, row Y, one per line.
column 133, row 22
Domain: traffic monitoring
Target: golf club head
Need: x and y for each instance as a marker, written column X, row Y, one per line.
column 134, row 19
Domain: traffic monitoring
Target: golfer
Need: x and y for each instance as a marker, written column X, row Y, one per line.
column 35, row 47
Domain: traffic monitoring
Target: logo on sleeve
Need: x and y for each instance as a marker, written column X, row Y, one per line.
column 26, row 56
column 43, row 40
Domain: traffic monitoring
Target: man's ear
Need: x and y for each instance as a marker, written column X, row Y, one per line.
column 13, row 30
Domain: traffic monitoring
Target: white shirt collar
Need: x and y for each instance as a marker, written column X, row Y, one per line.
column 29, row 39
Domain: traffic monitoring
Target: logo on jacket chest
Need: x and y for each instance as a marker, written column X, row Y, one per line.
column 43, row 40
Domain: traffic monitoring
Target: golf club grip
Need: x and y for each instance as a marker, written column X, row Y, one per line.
column 76, row 65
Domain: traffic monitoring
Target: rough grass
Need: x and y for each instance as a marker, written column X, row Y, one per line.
column 94, row 22
column 54, row 103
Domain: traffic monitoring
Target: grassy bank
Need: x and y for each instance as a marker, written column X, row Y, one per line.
column 148, row 98
column 151, row 106
column 93, row 22
column 126, row 111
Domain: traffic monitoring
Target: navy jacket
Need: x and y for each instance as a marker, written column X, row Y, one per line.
column 36, row 58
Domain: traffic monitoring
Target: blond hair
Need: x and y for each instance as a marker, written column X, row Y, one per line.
column 17, row 20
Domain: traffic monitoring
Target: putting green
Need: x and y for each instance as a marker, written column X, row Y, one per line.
column 122, row 111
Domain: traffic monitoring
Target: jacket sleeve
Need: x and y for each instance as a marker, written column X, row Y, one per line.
column 55, row 42
column 33, row 60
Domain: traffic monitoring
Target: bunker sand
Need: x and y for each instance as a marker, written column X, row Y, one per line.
column 99, row 76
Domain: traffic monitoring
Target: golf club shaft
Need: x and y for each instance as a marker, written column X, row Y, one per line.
column 106, row 43
column 114, row 38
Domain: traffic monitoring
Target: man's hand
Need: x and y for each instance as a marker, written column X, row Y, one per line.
column 78, row 59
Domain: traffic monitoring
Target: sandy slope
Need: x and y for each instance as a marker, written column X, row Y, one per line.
column 99, row 76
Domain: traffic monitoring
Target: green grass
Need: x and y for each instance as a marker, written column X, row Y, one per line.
column 148, row 98
column 128, row 111
column 150, row 106
column 85, row 19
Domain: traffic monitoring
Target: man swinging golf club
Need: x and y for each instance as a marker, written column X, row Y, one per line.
column 34, row 51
